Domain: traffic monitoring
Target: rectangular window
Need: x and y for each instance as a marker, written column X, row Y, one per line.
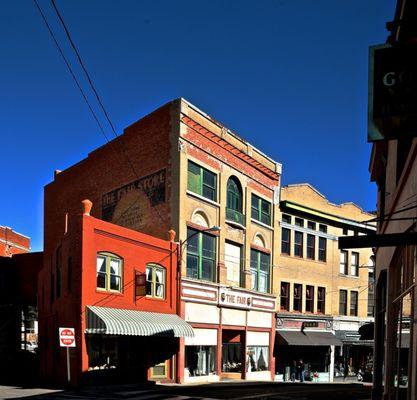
column 299, row 222
column 109, row 272
column 286, row 218
column 298, row 297
column 298, row 244
column 311, row 247
column 159, row 370
column 343, row 268
column 343, row 302
column 309, row 298
column 261, row 210
column 285, row 241
column 201, row 181
column 323, row 228
column 201, row 255
column 155, row 281
column 321, row 300
column 354, row 303
column 260, row 270
column 200, row 360
column 233, row 263
column 257, row 358
column 101, row 272
column 322, row 249
column 345, row 232
column 285, row 296
column 311, row 225
column 354, row 264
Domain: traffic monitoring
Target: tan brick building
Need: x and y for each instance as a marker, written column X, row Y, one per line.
column 178, row 168
column 322, row 291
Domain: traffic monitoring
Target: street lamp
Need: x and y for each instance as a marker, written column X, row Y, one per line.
column 214, row 228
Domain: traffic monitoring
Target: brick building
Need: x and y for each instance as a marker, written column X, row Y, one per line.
column 118, row 289
column 324, row 292
column 12, row 242
column 178, row 168
column 18, row 306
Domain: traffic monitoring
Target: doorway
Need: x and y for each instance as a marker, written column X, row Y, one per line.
column 233, row 360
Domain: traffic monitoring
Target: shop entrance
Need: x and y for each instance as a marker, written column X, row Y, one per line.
column 233, row 360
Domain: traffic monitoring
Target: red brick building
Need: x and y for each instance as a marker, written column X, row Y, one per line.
column 12, row 242
column 91, row 284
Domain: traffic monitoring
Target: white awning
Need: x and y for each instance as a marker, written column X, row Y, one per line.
column 116, row 321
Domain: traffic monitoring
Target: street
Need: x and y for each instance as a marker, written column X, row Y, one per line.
column 224, row 390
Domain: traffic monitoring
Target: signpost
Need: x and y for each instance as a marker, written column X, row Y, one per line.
column 67, row 339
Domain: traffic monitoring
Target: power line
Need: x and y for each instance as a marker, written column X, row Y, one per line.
column 96, row 94
column 100, row 102
column 67, row 63
column 84, row 68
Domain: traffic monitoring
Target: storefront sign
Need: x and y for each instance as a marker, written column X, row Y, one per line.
column 140, row 285
column 130, row 204
column 392, row 104
column 310, row 324
column 67, row 337
column 234, row 299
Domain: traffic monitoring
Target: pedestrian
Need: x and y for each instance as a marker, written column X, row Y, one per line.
column 301, row 368
column 293, row 370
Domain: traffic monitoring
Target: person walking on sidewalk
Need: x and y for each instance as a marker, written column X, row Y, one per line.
column 300, row 370
column 293, row 370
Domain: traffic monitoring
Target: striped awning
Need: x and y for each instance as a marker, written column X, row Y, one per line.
column 116, row 321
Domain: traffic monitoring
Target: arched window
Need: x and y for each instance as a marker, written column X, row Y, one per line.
column 234, row 205
column 109, row 272
column 155, row 281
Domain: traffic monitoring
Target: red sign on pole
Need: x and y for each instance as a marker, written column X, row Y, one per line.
column 67, row 337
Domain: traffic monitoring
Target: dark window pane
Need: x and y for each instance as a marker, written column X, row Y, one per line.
column 209, row 193
column 101, row 280
column 115, row 282
column 192, row 266
column 207, row 272
column 208, row 246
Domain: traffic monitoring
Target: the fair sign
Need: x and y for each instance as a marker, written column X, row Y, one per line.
column 234, row 299
column 67, row 337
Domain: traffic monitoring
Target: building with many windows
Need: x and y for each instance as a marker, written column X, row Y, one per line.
column 323, row 292
column 177, row 168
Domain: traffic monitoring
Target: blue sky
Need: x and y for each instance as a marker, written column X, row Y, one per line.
column 289, row 76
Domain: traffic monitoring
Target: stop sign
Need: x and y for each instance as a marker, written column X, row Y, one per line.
column 67, row 337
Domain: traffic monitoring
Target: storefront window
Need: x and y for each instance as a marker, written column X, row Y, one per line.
column 102, row 352
column 200, row 360
column 232, row 357
column 257, row 358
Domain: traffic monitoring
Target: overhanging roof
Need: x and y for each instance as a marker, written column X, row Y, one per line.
column 307, row 338
column 116, row 321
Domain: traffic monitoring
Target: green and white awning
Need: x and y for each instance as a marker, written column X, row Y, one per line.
column 116, row 321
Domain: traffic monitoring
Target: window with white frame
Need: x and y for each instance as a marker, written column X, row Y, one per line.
column 354, row 264
column 109, row 272
column 343, row 268
column 155, row 281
